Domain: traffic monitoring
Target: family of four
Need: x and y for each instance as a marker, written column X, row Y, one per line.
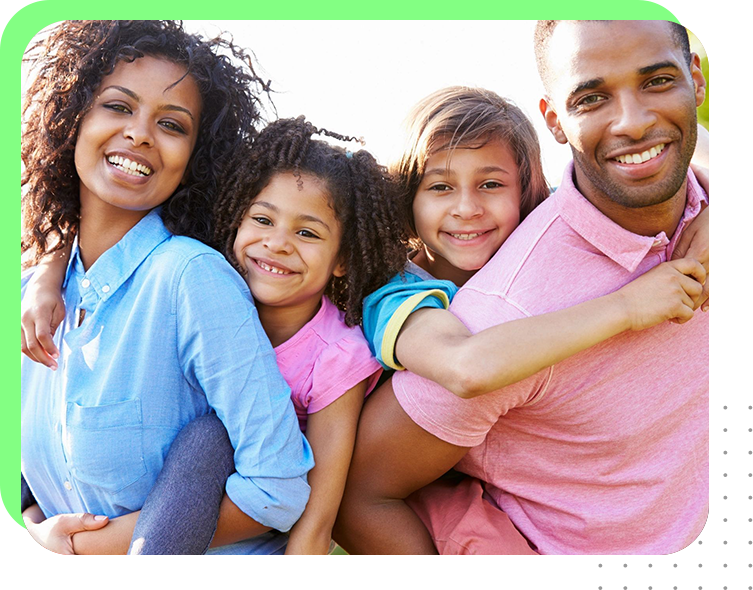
column 253, row 342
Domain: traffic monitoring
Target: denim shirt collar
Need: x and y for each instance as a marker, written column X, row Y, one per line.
column 116, row 265
column 624, row 247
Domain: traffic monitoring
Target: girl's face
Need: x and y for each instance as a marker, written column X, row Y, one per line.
column 134, row 145
column 289, row 242
column 467, row 204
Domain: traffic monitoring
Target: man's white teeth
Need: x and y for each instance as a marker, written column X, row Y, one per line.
column 273, row 269
column 129, row 166
column 640, row 158
column 466, row 236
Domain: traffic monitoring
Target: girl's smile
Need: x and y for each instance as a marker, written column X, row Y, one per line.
column 466, row 206
column 135, row 142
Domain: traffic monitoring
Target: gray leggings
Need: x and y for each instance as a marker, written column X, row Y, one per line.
column 179, row 516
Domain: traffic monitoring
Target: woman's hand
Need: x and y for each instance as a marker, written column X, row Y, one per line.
column 56, row 533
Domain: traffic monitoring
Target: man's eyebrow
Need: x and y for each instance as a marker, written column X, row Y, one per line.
column 658, row 66
column 587, row 85
column 136, row 97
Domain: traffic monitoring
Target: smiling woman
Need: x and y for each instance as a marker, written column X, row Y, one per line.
column 127, row 128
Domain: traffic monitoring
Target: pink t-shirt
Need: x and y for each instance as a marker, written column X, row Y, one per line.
column 325, row 359
column 606, row 452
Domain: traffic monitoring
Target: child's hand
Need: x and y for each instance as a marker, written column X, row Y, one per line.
column 42, row 310
column 694, row 243
column 666, row 292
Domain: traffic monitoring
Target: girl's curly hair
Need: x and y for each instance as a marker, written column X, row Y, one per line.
column 373, row 245
column 70, row 62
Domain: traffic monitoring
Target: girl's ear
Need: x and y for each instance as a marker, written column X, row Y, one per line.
column 340, row 270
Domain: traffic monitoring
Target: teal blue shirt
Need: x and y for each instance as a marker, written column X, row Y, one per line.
column 387, row 308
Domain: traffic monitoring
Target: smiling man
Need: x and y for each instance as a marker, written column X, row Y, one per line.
column 606, row 452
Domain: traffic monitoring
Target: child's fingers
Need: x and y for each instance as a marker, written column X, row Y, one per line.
column 692, row 268
column 47, row 344
column 32, row 348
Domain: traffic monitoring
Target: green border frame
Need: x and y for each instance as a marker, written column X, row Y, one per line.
column 721, row 558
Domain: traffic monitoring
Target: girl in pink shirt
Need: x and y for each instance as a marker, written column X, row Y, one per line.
column 305, row 223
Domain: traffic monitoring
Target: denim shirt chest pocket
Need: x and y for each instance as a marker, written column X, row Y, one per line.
column 103, row 444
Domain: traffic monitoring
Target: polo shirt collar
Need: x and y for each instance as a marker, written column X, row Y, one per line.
column 624, row 247
column 117, row 264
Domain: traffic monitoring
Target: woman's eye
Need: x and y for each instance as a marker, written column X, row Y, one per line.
column 118, row 108
column 173, row 126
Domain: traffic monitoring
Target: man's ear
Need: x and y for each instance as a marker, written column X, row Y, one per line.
column 552, row 120
column 699, row 82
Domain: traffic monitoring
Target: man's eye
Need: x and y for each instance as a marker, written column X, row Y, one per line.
column 591, row 100
column 659, row 81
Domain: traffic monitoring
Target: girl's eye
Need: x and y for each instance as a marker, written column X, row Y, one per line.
column 492, row 184
column 262, row 220
column 173, row 126
column 440, row 187
column 118, row 108
column 308, row 234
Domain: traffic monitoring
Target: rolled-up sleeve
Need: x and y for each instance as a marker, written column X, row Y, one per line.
column 225, row 353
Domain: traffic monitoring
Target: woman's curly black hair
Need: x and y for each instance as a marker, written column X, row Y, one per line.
column 373, row 245
column 70, row 62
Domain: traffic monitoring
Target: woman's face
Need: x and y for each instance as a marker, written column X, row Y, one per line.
column 134, row 144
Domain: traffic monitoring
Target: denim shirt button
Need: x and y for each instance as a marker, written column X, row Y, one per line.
column 85, row 283
column 106, row 289
column 67, row 485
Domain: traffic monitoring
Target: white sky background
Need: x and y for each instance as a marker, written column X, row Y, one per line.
column 362, row 77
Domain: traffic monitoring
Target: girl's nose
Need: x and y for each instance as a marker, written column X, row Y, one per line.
column 278, row 242
column 467, row 205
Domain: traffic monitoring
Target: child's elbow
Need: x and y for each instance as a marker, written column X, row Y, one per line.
column 466, row 382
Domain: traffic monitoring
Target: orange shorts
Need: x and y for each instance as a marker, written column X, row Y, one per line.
column 462, row 520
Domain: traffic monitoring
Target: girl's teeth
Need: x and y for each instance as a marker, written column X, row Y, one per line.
column 640, row 158
column 465, row 236
column 129, row 166
column 271, row 268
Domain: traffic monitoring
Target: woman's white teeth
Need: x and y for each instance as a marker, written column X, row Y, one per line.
column 273, row 269
column 640, row 158
column 466, row 236
column 129, row 166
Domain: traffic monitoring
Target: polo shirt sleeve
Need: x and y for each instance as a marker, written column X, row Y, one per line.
column 466, row 422
column 225, row 353
column 386, row 310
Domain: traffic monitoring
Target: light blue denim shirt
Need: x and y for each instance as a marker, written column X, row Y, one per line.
column 169, row 333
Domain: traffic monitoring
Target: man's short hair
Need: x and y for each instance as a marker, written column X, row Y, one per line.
column 545, row 28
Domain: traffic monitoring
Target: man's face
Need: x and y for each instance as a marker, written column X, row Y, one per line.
column 622, row 94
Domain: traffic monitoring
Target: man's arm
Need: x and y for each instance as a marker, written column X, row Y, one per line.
column 393, row 458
